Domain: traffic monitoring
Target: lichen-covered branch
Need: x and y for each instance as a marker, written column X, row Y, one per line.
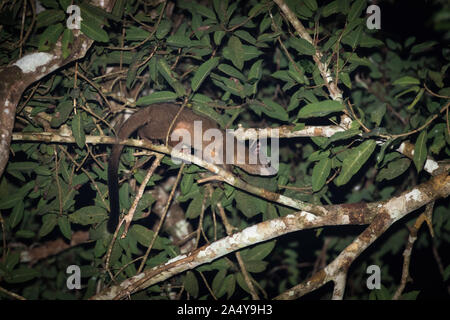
column 380, row 215
column 16, row 77
column 388, row 213
column 333, row 89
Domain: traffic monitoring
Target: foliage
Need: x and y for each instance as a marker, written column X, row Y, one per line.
column 219, row 54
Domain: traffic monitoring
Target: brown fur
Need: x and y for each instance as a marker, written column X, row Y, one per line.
column 153, row 123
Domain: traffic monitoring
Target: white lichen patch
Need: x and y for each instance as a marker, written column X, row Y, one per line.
column 130, row 281
column 308, row 216
column 209, row 251
column 246, row 236
column 431, row 165
column 415, row 195
column 396, row 207
column 31, row 62
column 238, row 240
column 6, row 111
column 345, row 219
column 277, row 224
column 176, row 259
column 289, row 202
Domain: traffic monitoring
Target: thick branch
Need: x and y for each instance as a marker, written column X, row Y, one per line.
column 16, row 77
column 386, row 213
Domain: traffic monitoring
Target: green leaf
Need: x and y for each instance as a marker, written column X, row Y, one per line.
column 195, row 207
column 244, row 35
column 380, row 155
column 354, row 161
column 23, row 166
column 319, row 155
column 377, row 115
column 249, row 205
column 144, row 236
column 66, row 40
column 218, row 281
column 204, row 11
column 49, row 222
column 136, row 34
column 236, row 52
column 220, row 6
column 63, row 111
column 412, row 295
column 274, row 110
column 164, row 70
column 255, row 72
column 330, row 8
column 356, row 9
column 117, row 11
column 163, row 28
column 230, row 285
column 282, row 75
column 179, row 41
column 231, row 71
column 191, row 284
column 394, row 169
column 204, row 109
column 345, row 78
column 320, row 109
column 12, row 259
column 202, row 72
column 408, row 90
column 218, row 36
column 256, row 266
column 64, row 227
column 406, row 81
column 186, row 183
column 22, row 274
column 156, row 97
column 258, row 252
column 343, row 135
column 437, row 78
column 26, row 234
column 16, row 214
column 94, row 31
column 88, row 215
column 353, row 38
column 296, row 72
column 416, row 99
column 302, row 46
column 420, row 150
column 49, row 17
column 241, row 281
column 11, row 201
column 50, row 36
column 224, row 288
column 321, row 172
column 311, row 4
column 418, row 48
column 78, row 130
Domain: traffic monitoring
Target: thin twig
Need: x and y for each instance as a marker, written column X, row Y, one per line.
column 161, row 221
column 129, row 216
column 12, row 294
